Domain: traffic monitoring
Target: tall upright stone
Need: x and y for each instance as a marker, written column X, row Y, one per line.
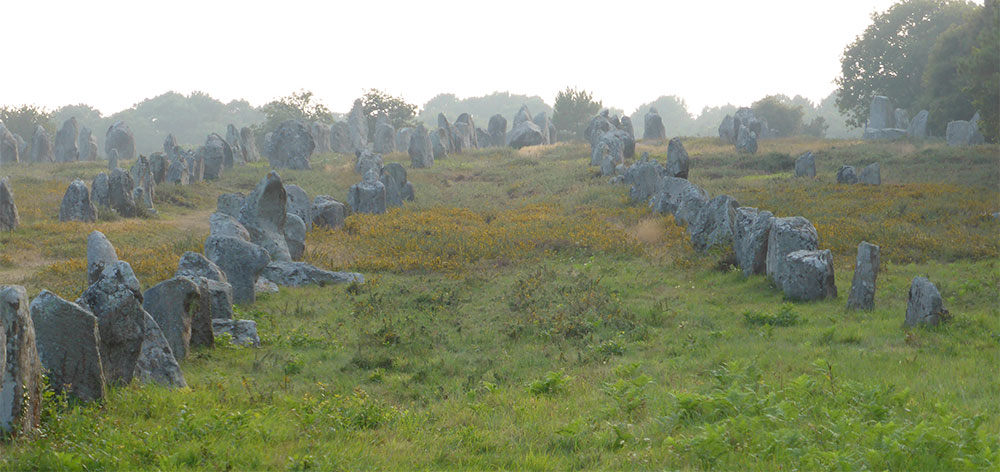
column 385, row 136
column 87, row 144
column 65, row 149
column 9, row 150
column 369, row 195
column 653, row 125
column 420, row 149
column 100, row 255
column 76, row 204
column 298, row 203
column 9, row 218
column 340, row 138
column 173, row 304
column 805, row 165
column 233, row 140
column 678, row 161
column 497, row 128
column 451, row 143
column 321, row 136
column 68, row 344
column 291, row 146
column 249, row 144
column 41, row 145
column 918, row 125
column 21, row 388
column 862, row 296
column 263, row 215
column 788, row 235
column 357, row 126
column 120, row 138
column 880, row 113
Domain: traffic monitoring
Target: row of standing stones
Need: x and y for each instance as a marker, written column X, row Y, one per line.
column 888, row 123
column 786, row 250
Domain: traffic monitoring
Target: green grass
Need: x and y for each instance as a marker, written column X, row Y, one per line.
column 544, row 352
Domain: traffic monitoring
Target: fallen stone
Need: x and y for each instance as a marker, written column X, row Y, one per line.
column 297, row 274
column 242, row 332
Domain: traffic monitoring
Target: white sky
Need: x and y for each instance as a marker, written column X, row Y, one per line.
column 112, row 54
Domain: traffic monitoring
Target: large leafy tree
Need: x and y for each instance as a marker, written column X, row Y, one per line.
column 301, row 105
column 890, row 57
column 980, row 69
column 573, row 111
column 398, row 111
column 783, row 117
column 22, row 120
column 672, row 110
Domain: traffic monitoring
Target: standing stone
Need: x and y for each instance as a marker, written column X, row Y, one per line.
column 295, row 236
column 119, row 137
column 788, row 235
column 751, row 229
column 241, row 260
column 847, row 175
column 746, row 140
column 805, row 165
column 220, row 224
column 862, row 296
column 958, row 133
column 368, row 160
column 142, row 176
column 467, row 131
column 713, row 227
column 195, row 165
column 298, row 204
column 65, row 149
column 173, row 304
column 340, row 138
column 248, row 143
column 22, row 148
column 924, row 305
column 263, row 215
column 393, row 176
column 328, row 213
column 870, row 175
column 918, row 126
column 522, row 116
column 195, row 266
column 120, row 187
column 880, row 114
column 357, row 126
column 403, row 138
column 321, row 136
column 76, row 204
column 497, row 128
column 158, row 165
column 542, row 121
column 220, row 305
column 100, row 194
column 213, row 153
column 901, row 119
column 156, row 362
column 368, row 196
column 629, row 140
column 233, row 140
column 9, row 152
column 177, row 171
column 228, row 155
column 451, row 143
column 9, row 219
column 644, row 177
column 21, row 390
column 420, row 149
column 67, row 339
column 439, row 143
column 170, row 145
column 230, row 204
column 808, row 275
column 116, row 301
column 677, row 159
column 291, row 146
column 41, row 145
column 653, row 126
column 680, row 198
column 87, row 145
column 100, row 255
column 483, row 139
column 615, row 144
column 385, row 137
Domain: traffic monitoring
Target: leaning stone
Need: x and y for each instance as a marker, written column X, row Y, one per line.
column 76, row 204
column 21, row 390
column 100, row 255
column 677, row 159
column 156, row 362
column 751, row 229
column 173, row 303
column 870, row 175
column 116, row 301
column 295, row 236
column 805, row 165
column 242, row 262
column 847, row 175
column 242, row 332
column 328, row 213
column 713, row 225
column 368, row 196
column 297, row 274
column 223, row 225
column 808, row 275
column 9, row 218
column 67, row 339
column 862, row 296
column 786, row 236
column 194, row 265
column 230, row 204
column 924, row 305
column 263, row 215
column 298, row 204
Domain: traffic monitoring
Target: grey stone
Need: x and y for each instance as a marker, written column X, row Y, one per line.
column 847, row 175
column 233, row 140
column 248, row 144
column 918, row 126
column 214, row 155
column 393, row 176
column 76, row 204
column 870, row 175
column 483, row 139
column 195, row 266
column 340, row 138
column 788, row 235
column 367, row 160
column 120, row 197
column 242, row 332
column 116, row 301
column 678, row 161
column 41, row 145
column 902, row 119
column 629, row 137
column 219, row 297
column 960, row 133
column 172, row 304
column 497, row 128
column 65, row 148
column 112, row 160
column 328, row 213
column 158, row 165
column 195, row 165
column 465, row 128
column 652, row 127
column 598, row 125
column 862, row 295
column 321, row 136
column 357, row 126
column 21, row 389
column 385, row 137
column 298, row 204
column 221, row 224
column 452, row 144
column 439, row 143
column 805, row 165
column 265, row 286
column 403, row 138
column 9, row 218
column 713, row 225
column 885, row 134
column 100, row 255
column 368, row 196
column 751, row 229
column 67, row 339
column 808, row 275
column 9, row 150
column 100, row 191
column 143, row 178
column 242, row 262
column 291, row 146
column 644, row 176
column 230, row 204
column 170, row 145
column 119, row 137
column 542, row 121
column 525, row 133
column 156, row 362
column 295, row 236
column 746, row 140
column 87, row 145
column 880, row 113
column 614, row 140
column 679, row 197
column 924, row 305
column 263, row 215
column 522, row 116
column 297, row 274
column 420, row 149
column 177, row 171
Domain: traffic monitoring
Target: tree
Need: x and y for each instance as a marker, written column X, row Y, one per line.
column 980, row 69
column 782, row 117
column 22, row 120
column 674, row 113
column 890, row 57
column 300, row 105
column 817, row 127
column 376, row 102
column 573, row 111
column 481, row 108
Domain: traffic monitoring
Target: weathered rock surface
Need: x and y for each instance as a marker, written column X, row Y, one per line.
column 119, row 137
column 340, row 138
column 328, row 212
column 644, row 176
column 678, row 161
column 483, row 139
column 172, row 304
column 357, row 127
column 679, row 197
column 367, row 160
column 230, row 204
column 385, row 137
column 242, row 262
column 76, row 204
column 195, row 266
column 862, row 295
column 321, row 136
column 214, row 155
column 870, row 175
column 67, row 338
column 653, row 126
column 9, row 151
column 298, row 204
column 368, row 196
column 223, row 225
column 41, row 145
column 751, row 229
column 847, row 175
column 218, row 298
column 808, row 275
column 805, row 165
column 248, row 144
column 297, row 274
column 918, row 126
column 65, row 149
column 525, row 134
column 21, row 389
column 263, row 215
column 295, row 236
column 439, row 143
column 397, row 188
column 120, row 195
column 924, row 305
column 420, row 149
column 100, row 255
column 291, row 146
column 87, row 145
column 403, row 136
column 156, row 362
column 880, row 113
column 713, row 225
column 746, row 140
column 9, row 218
column 497, row 128
column 788, row 235
column 242, row 332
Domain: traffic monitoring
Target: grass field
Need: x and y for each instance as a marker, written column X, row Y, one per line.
column 521, row 315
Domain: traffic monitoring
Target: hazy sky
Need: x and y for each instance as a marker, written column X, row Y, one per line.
column 112, row 54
